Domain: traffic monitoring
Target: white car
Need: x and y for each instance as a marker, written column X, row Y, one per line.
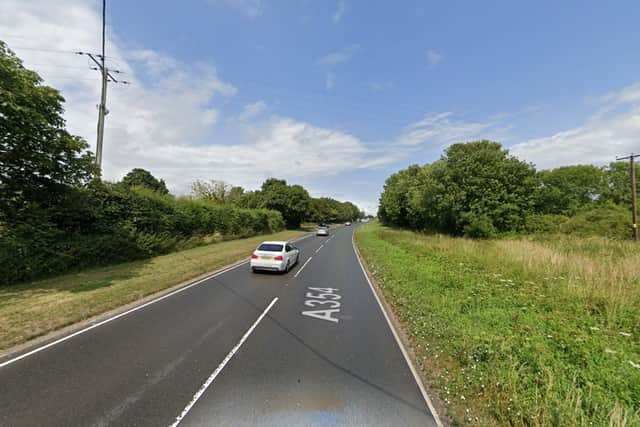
column 322, row 231
column 274, row 256
column 348, row 223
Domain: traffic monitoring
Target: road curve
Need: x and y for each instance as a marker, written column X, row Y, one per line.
column 311, row 347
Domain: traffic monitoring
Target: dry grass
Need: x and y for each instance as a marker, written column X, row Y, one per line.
column 523, row 331
column 33, row 309
column 599, row 269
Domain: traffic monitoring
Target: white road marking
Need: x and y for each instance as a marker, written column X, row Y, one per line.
column 110, row 319
column 221, row 366
column 395, row 334
column 318, row 250
column 303, row 266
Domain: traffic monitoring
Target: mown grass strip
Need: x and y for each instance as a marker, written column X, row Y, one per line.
column 519, row 331
column 33, row 309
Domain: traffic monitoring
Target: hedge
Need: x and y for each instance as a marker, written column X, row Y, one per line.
column 106, row 223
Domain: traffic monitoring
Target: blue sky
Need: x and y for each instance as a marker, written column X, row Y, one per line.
column 337, row 95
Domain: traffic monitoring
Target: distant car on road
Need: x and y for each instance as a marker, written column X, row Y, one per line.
column 322, row 231
column 348, row 223
column 274, row 256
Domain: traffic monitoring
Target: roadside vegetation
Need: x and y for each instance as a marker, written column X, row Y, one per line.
column 521, row 331
column 520, row 289
column 57, row 215
column 479, row 190
column 33, row 309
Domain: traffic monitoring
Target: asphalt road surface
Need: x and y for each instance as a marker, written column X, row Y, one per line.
column 311, row 347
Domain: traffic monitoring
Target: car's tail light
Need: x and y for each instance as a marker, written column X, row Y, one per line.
column 278, row 258
column 254, row 256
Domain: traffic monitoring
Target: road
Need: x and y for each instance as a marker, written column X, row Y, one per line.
column 234, row 349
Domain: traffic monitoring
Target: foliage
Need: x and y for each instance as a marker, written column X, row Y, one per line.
column 292, row 201
column 569, row 189
column 326, row 209
column 216, row 191
column 618, row 183
column 39, row 159
column 110, row 223
column 518, row 332
column 477, row 189
column 610, row 221
column 479, row 226
column 477, row 183
column 544, row 223
column 142, row 178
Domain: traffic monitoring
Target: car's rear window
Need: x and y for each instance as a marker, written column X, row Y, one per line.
column 270, row 247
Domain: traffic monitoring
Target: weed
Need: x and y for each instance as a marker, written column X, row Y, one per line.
column 531, row 331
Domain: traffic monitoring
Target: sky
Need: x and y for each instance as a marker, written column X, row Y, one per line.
column 336, row 95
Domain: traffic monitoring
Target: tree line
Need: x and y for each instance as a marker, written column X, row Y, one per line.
column 478, row 189
column 292, row 201
column 57, row 214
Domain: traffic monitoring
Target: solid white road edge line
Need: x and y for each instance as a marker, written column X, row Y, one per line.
column 221, row 366
column 318, row 250
column 397, row 337
column 110, row 319
column 303, row 266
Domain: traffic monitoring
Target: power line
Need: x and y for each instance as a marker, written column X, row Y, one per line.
column 41, row 49
column 107, row 77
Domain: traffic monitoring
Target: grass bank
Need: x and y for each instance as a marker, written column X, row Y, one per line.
column 33, row 309
column 521, row 331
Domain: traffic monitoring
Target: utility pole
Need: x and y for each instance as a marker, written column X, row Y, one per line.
column 634, row 196
column 103, row 96
column 106, row 77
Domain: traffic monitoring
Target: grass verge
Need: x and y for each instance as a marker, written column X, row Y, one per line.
column 520, row 331
column 33, row 309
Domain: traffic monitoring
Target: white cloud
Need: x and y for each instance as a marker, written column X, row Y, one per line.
column 166, row 120
column 250, row 8
column 265, row 150
column 337, row 15
column 434, row 57
column 612, row 131
column 252, row 110
column 440, row 129
column 329, row 81
column 338, row 57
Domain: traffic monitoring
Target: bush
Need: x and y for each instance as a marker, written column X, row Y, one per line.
column 611, row 221
column 549, row 223
column 106, row 224
column 479, row 227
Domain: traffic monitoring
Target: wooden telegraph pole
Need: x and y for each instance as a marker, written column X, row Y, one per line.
column 634, row 196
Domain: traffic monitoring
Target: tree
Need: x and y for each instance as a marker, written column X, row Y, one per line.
column 568, row 190
column 39, row 160
column 213, row 190
column 143, row 178
column 235, row 194
column 326, row 209
column 394, row 197
column 474, row 186
column 618, row 183
column 293, row 202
